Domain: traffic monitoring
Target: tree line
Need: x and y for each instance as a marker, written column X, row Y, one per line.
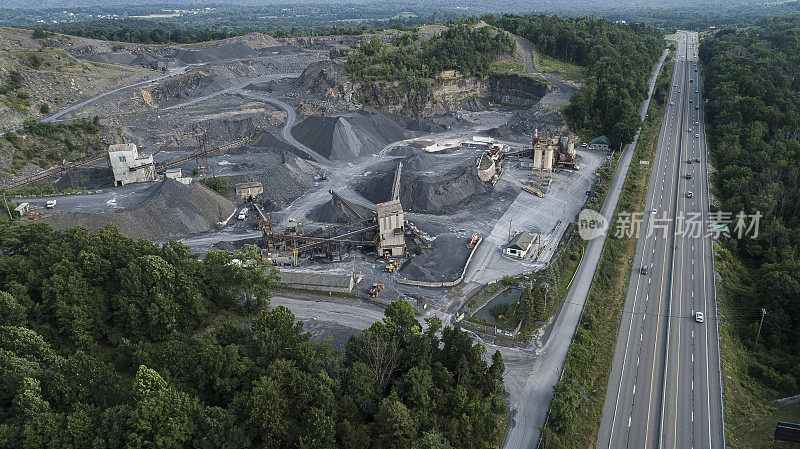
column 111, row 342
column 413, row 65
column 136, row 31
column 753, row 112
column 619, row 57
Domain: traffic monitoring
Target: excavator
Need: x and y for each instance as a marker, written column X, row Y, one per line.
column 473, row 241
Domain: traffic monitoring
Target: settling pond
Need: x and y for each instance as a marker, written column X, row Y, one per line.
column 507, row 296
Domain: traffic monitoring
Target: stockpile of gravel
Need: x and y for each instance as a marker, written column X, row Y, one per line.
column 334, row 212
column 435, row 193
column 229, row 51
column 443, row 262
column 172, row 210
column 285, row 179
column 350, row 135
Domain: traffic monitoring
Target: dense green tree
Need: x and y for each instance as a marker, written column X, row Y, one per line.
column 619, row 58
column 753, row 88
column 111, row 342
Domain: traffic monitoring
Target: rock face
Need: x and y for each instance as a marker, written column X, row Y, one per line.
column 172, row 210
column 517, row 90
column 326, row 79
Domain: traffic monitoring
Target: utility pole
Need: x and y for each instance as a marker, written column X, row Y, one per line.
column 763, row 314
column 509, row 229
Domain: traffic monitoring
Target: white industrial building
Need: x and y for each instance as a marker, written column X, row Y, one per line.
column 391, row 232
column 519, row 246
column 128, row 166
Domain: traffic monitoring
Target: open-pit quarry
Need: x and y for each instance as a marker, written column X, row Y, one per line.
column 313, row 175
column 282, row 115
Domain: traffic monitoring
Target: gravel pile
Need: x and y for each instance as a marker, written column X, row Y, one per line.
column 444, row 261
column 229, row 51
column 285, row 178
column 172, row 210
column 437, row 193
column 333, row 212
column 351, row 135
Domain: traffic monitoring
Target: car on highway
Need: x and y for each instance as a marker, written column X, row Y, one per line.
column 689, row 161
column 697, row 159
column 689, row 194
column 696, row 108
column 688, row 176
column 696, row 123
column 644, row 269
column 699, row 317
column 653, row 212
column 697, row 135
column 690, row 100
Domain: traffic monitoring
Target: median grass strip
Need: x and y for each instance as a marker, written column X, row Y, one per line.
column 576, row 409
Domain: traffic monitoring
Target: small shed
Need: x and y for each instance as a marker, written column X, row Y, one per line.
column 21, row 209
column 519, row 246
column 249, row 191
column 599, row 143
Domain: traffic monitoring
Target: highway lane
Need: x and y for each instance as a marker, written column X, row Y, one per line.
column 673, row 284
column 692, row 410
column 629, row 415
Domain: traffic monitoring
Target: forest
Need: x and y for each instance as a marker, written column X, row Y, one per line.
column 753, row 91
column 619, row 58
column 135, row 30
column 460, row 47
column 110, row 342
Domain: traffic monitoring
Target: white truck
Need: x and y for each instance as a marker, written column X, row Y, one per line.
column 51, row 204
column 243, row 214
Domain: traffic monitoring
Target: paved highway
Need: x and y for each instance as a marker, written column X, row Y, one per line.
column 664, row 388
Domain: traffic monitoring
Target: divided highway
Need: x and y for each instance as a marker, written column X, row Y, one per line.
column 664, row 390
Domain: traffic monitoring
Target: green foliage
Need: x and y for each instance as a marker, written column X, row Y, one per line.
column 619, row 59
column 110, row 342
column 138, row 31
column 471, row 51
column 753, row 110
column 49, row 143
column 220, row 185
column 44, row 108
column 576, row 408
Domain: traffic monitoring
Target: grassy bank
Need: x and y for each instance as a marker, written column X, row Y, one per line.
column 576, row 409
column 750, row 410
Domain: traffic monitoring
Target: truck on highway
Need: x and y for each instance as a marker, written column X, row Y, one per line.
column 51, row 204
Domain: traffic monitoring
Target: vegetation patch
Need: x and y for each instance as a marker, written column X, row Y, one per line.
column 113, row 342
column 753, row 115
column 404, row 75
column 618, row 59
column 46, row 144
column 574, row 415
column 549, row 64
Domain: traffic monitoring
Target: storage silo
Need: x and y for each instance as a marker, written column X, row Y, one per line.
column 537, row 158
column 549, row 154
